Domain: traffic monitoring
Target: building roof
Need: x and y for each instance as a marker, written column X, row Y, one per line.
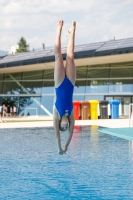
column 111, row 47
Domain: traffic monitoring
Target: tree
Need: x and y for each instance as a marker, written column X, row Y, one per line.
column 23, row 46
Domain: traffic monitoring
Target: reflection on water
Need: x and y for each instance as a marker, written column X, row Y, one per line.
column 96, row 166
column 76, row 129
column 131, row 149
column 93, row 131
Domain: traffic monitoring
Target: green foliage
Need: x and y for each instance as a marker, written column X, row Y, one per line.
column 23, row 46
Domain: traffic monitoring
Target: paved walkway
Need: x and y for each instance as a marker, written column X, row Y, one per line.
column 31, row 122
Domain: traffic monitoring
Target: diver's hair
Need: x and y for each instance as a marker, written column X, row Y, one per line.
column 62, row 128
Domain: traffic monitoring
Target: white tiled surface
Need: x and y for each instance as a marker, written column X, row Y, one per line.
column 47, row 121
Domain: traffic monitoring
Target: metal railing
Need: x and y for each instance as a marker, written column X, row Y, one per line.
column 130, row 113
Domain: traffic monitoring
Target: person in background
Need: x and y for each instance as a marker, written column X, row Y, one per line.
column 4, row 110
column 1, row 112
column 11, row 111
column 8, row 111
column 14, row 111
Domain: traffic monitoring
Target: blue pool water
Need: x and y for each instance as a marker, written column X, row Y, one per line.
column 97, row 166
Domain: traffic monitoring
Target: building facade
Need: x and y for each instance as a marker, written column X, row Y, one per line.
column 104, row 71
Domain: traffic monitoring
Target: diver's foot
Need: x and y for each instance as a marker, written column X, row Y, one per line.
column 59, row 26
column 72, row 30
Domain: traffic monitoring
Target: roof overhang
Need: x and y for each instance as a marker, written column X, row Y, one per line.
column 121, row 58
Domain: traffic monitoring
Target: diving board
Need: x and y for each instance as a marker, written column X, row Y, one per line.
column 125, row 133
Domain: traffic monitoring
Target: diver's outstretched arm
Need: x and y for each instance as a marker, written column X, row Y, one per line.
column 71, row 127
column 57, row 132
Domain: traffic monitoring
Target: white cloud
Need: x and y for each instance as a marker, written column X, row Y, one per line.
column 36, row 20
column 14, row 7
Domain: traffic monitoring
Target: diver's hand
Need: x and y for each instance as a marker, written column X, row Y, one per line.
column 60, row 151
column 65, row 149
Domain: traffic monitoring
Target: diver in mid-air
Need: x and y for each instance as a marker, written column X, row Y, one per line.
column 64, row 77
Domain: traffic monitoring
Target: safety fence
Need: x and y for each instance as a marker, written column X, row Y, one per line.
column 130, row 115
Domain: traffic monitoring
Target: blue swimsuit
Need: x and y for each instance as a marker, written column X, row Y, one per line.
column 64, row 97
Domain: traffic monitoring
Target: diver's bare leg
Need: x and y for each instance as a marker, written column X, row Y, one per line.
column 59, row 71
column 70, row 65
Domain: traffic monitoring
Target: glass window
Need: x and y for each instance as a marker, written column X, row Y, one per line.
column 47, row 103
column 79, row 87
column 78, row 98
column 32, row 82
column 109, row 98
column 120, row 86
column 16, row 76
column 97, row 86
column 121, row 72
column 49, row 74
column 12, row 101
column 94, row 97
column 33, row 75
column 1, row 77
column 1, row 84
column 0, row 100
column 98, row 73
column 12, row 88
column 127, row 86
column 81, row 72
column 32, row 87
column 115, row 86
column 29, row 106
column 48, row 87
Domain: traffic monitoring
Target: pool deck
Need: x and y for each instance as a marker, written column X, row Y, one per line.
column 45, row 121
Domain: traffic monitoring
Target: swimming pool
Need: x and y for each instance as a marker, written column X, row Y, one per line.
column 97, row 166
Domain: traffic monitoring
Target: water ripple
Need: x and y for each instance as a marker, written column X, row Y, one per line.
column 96, row 166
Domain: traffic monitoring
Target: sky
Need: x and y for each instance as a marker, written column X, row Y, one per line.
column 35, row 20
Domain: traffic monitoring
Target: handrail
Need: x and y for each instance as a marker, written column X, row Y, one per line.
column 129, row 114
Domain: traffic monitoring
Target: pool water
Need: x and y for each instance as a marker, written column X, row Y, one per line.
column 96, row 166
